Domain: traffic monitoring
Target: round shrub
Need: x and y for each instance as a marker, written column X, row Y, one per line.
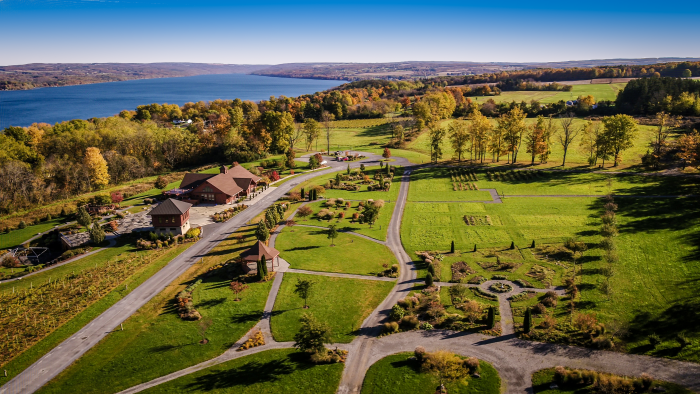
column 539, row 309
column 410, row 322
column 419, row 353
column 22, row 225
column 397, row 313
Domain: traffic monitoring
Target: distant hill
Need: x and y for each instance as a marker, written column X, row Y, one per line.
column 30, row 76
column 418, row 69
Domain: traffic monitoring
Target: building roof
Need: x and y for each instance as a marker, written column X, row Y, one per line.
column 258, row 250
column 231, row 182
column 171, row 207
column 240, row 172
column 192, row 180
column 225, row 183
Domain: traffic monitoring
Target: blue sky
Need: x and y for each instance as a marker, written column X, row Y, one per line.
column 274, row 32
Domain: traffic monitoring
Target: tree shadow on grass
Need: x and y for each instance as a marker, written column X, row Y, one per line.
column 249, row 374
column 303, row 248
column 211, row 303
column 248, row 317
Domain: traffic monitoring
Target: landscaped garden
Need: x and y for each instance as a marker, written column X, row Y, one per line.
column 638, row 298
column 345, row 215
column 412, row 373
column 341, row 303
column 561, row 380
column 310, row 249
column 359, row 184
column 283, row 371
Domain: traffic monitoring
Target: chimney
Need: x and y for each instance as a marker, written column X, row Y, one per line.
column 223, row 169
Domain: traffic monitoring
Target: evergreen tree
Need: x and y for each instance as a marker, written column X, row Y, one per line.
column 263, row 264
column 527, row 322
column 337, row 179
column 491, row 320
column 533, row 244
column 431, row 269
column 303, row 194
column 348, row 170
column 262, row 233
column 97, row 235
column 512, row 244
column 452, row 247
column 83, row 217
column 474, row 248
column 429, row 279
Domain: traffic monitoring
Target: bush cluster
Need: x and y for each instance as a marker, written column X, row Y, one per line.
column 185, row 307
column 228, row 214
column 257, row 339
column 602, row 382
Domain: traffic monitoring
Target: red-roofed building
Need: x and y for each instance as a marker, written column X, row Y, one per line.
column 222, row 188
column 171, row 216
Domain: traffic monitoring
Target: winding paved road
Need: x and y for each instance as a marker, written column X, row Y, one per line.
column 61, row 357
column 515, row 359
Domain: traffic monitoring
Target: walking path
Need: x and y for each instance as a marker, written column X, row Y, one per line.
column 515, row 359
column 61, row 357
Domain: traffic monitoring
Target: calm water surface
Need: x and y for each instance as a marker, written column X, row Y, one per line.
column 51, row 105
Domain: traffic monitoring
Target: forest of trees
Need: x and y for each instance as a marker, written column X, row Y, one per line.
column 647, row 96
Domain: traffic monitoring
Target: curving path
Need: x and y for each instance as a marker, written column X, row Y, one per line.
column 61, row 357
column 515, row 359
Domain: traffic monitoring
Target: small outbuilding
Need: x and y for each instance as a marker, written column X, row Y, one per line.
column 254, row 254
column 171, row 216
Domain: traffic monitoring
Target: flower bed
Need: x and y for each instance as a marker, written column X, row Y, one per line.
column 228, row 214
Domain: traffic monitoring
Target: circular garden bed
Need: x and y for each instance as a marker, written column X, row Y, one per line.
column 501, row 288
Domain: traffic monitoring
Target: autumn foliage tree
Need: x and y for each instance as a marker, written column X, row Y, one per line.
column 97, row 168
column 237, row 288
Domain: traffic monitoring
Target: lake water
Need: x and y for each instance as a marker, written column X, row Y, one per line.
column 51, row 105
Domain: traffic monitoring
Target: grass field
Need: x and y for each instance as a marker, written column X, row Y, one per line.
column 309, row 249
column 18, row 236
column 342, row 303
column 435, row 184
column 542, row 379
column 378, row 230
column 271, row 372
column 658, row 248
column 399, row 374
column 31, row 355
column 155, row 341
column 599, row 91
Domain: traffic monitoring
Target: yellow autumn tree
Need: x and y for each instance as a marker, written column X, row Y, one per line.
column 97, row 167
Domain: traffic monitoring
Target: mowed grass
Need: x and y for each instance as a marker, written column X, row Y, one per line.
column 400, row 374
column 658, row 248
column 435, row 184
column 155, row 341
column 542, row 379
column 601, row 92
column 31, row 355
column 283, row 371
column 341, row 303
column 309, row 249
column 18, row 236
column 575, row 157
column 524, row 182
column 377, row 231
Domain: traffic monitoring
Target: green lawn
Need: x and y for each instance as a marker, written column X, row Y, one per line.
column 269, row 372
column 18, row 236
column 155, row 341
column 28, row 357
column 377, row 231
column 309, row 249
column 399, row 374
column 342, row 303
column 542, row 379
column 435, row 184
column 599, row 91
column 654, row 281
